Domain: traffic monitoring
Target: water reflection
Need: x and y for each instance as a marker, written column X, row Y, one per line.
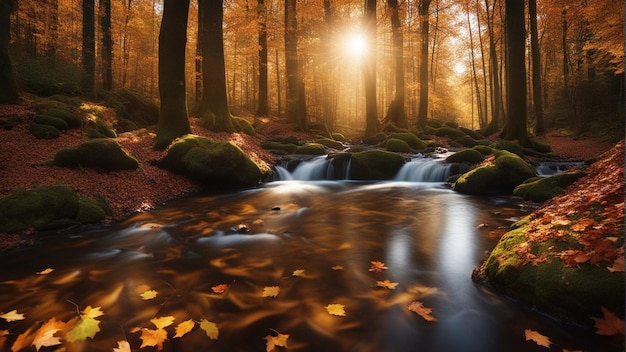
column 425, row 234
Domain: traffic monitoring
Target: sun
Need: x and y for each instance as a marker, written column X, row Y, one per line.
column 355, row 44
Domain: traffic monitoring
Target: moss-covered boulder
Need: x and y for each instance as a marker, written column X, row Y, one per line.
column 540, row 189
column 281, row 148
column 72, row 118
column 214, row 164
column 509, row 146
column 507, row 172
column 51, row 121
column 101, row 154
column 375, row 165
column 43, row 131
column 450, row 132
column 468, row 156
column 411, row 139
column 483, row 149
column 311, row 149
column 471, row 133
column 47, row 208
column 331, row 143
column 397, row 145
column 243, row 125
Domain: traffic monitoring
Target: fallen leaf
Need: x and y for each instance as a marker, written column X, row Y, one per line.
column 3, row 339
column 387, row 284
column 618, row 265
column 92, row 312
column 87, row 326
column 271, row 291
column 272, row 341
column 220, row 288
column 419, row 309
column 12, row 316
column 609, row 324
column 377, row 266
column 536, row 337
column 336, row 309
column 45, row 271
column 162, row 322
column 122, row 346
column 44, row 337
column 184, row 327
column 337, row 267
column 150, row 294
column 151, row 337
column 210, row 328
column 23, row 340
column 299, row 272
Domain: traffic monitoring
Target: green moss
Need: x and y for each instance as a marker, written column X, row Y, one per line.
column 483, row 149
column 73, row 101
column 287, row 140
column 272, row 145
column 470, row 156
column 214, row 164
column 450, row 132
column 471, row 133
column 243, row 125
column 330, row 143
column 391, row 127
column 513, row 168
column 103, row 129
column 510, row 146
column 375, row 165
column 90, row 211
column 73, row 120
column 540, row 147
column 311, row 149
column 397, row 145
column 43, row 131
column 40, row 208
column 481, row 180
column 539, row 189
column 103, row 154
column 466, row 141
column 51, row 121
column 338, row 137
column 412, row 140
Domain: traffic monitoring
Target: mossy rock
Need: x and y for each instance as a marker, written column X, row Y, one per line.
column 214, row 164
column 375, row 165
column 40, row 208
column 471, row 133
column 287, row 140
column 397, row 145
column 540, row 189
column 51, row 121
column 102, row 154
column 330, row 143
column 73, row 101
column 338, row 137
column 434, row 123
column 73, row 119
column 513, row 168
column 92, row 210
column 311, row 149
column 44, row 131
column 272, row 145
column 469, row 156
column 483, row 149
column 243, row 125
column 450, row 132
column 508, row 172
column 479, row 181
column 572, row 294
column 98, row 128
column 466, row 141
column 510, row 146
column 540, row 147
column 392, row 128
column 376, row 139
column 411, row 139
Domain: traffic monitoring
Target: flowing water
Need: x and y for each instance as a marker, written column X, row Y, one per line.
column 328, row 232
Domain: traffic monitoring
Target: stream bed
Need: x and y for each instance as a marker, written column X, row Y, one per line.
column 316, row 242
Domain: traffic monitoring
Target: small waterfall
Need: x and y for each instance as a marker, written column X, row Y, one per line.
column 551, row 168
column 318, row 168
column 315, row 169
column 424, row 170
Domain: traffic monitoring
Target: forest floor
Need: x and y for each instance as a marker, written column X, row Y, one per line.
column 22, row 158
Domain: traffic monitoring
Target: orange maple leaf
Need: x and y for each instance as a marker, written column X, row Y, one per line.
column 419, row 309
column 377, row 266
column 184, row 327
column 220, row 288
column 271, row 291
column 44, row 337
column 609, row 324
column 387, row 284
column 272, row 341
column 336, row 309
column 151, row 337
column 536, row 337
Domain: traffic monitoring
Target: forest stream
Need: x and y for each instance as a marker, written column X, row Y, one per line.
column 275, row 260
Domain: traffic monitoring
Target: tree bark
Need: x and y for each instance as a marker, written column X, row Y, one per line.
column 9, row 93
column 173, row 114
column 107, row 45
column 422, row 113
column 89, row 48
column 515, row 126
column 369, row 70
column 536, row 68
column 396, row 113
column 295, row 95
column 263, row 108
column 497, row 106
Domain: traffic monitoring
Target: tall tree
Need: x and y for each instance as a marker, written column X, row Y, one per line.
column 296, row 103
column 263, row 108
column 213, row 106
column 497, row 105
column 369, row 70
column 536, row 68
column 173, row 115
column 423, row 11
column 514, row 21
column 396, row 112
column 89, row 47
column 8, row 87
column 107, row 45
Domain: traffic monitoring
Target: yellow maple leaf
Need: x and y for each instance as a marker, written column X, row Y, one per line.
column 92, row 312
column 210, row 328
column 271, row 291
column 122, row 346
column 536, row 337
column 418, row 308
column 12, row 316
column 184, row 327
column 299, row 272
column 85, row 328
column 220, row 288
column 387, row 284
column 272, row 341
column 151, row 337
column 45, row 271
column 609, row 324
column 336, row 309
column 150, row 294
column 377, row 266
column 44, row 337
column 162, row 322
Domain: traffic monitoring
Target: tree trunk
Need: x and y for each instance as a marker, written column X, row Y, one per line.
column 369, row 70
column 125, row 44
column 422, row 113
column 9, row 93
column 52, row 32
column 107, row 45
column 515, row 126
column 89, row 48
column 536, row 68
column 198, row 60
column 497, row 106
column 396, row 113
column 263, row 108
column 296, row 102
column 173, row 115
column 214, row 104
column 474, row 75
